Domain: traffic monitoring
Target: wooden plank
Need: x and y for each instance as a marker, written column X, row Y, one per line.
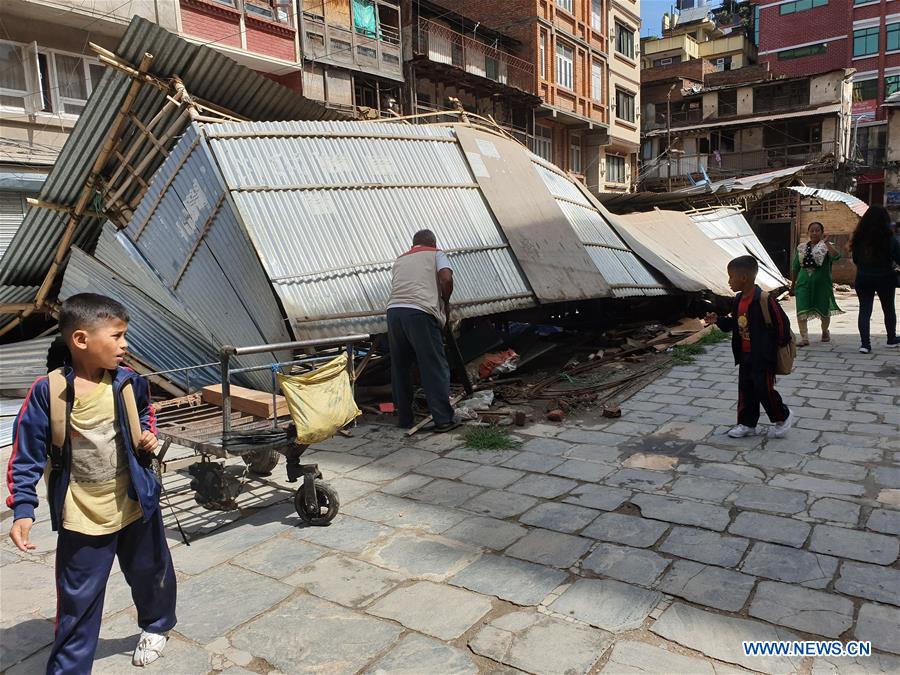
column 250, row 401
column 548, row 250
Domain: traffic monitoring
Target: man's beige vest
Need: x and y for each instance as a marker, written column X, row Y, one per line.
column 414, row 282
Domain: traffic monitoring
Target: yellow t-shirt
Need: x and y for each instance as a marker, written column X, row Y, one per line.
column 97, row 501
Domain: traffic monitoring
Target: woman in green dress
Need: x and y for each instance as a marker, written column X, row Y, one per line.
column 812, row 285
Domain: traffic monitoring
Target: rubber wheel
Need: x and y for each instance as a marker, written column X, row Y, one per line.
column 261, row 462
column 329, row 503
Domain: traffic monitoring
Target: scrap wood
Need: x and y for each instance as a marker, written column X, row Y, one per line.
column 689, row 340
column 250, row 401
column 453, row 401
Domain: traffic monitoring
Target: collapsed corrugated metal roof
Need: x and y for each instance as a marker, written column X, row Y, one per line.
column 855, row 204
column 730, row 230
column 181, row 80
column 21, row 363
column 15, row 295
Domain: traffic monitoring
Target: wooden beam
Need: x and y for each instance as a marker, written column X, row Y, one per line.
column 62, row 208
column 150, row 137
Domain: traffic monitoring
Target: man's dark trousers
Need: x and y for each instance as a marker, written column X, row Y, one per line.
column 415, row 339
column 756, row 385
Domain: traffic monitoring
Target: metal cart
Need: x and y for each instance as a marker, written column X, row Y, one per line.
column 214, row 432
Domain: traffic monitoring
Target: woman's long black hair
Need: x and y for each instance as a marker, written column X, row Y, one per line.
column 873, row 232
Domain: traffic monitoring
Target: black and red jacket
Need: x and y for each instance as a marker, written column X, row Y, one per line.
column 764, row 340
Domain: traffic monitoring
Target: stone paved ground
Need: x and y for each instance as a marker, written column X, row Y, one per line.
column 582, row 551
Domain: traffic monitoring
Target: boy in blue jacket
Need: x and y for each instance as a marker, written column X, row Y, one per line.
column 102, row 492
column 755, row 346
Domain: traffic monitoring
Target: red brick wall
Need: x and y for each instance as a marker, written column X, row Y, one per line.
column 211, row 22
column 777, row 31
column 265, row 37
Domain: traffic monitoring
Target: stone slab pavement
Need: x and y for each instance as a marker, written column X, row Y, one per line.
column 653, row 543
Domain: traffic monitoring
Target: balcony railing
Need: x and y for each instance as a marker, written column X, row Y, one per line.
column 736, row 164
column 444, row 45
column 680, row 117
column 344, row 46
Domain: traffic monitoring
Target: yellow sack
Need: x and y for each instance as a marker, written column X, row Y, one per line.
column 321, row 402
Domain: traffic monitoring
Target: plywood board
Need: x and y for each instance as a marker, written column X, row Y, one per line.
column 249, row 401
column 548, row 250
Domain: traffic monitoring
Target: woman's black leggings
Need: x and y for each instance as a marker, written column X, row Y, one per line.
column 866, row 288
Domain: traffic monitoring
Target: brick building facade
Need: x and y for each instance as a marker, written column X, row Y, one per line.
column 813, row 36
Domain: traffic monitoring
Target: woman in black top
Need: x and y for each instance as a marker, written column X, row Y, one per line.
column 875, row 252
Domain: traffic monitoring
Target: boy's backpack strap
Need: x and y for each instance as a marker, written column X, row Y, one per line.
column 764, row 306
column 133, row 419
column 58, row 408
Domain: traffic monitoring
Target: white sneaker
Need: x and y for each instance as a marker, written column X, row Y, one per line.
column 149, row 648
column 742, row 430
column 864, row 350
column 780, row 429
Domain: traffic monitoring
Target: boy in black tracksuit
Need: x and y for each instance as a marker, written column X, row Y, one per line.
column 755, row 346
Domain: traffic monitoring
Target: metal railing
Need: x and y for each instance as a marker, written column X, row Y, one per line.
column 343, row 45
column 744, row 163
column 445, row 45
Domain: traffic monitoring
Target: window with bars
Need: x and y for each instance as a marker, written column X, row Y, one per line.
column 624, row 40
column 865, row 41
column 624, row 105
column 596, row 81
column 565, row 59
column 615, row 169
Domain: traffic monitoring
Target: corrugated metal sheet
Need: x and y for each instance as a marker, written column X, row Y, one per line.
column 329, row 249
column 21, row 363
column 15, row 295
column 856, row 204
column 730, row 230
column 196, row 246
column 9, row 408
column 156, row 336
column 12, row 211
column 206, row 73
column 625, row 273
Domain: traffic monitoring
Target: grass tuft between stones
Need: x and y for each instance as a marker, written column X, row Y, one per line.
column 491, row 438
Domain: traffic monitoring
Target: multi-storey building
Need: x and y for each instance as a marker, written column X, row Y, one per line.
column 809, row 36
column 693, row 34
column 587, row 76
column 741, row 122
column 455, row 63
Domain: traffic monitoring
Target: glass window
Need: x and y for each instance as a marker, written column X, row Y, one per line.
column 564, row 4
column 13, row 84
column 596, row 81
column 543, row 55
column 565, row 57
column 801, row 52
column 892, row 35
column 597, row 15
column 727, row 104
column 624, row 40
column 575, row 155
column 756, row 9
column 865, row 41
column 865, row 90
column 73, row 84
column 492, row 68
column 543, row 142
column 624, row 105
column 615, row 169
column 891, row 85
column 801, row 6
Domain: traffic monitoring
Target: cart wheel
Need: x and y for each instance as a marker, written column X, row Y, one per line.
column 261, row 462
column 328, row 500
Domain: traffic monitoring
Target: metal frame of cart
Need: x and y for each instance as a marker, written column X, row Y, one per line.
column 218, row 433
